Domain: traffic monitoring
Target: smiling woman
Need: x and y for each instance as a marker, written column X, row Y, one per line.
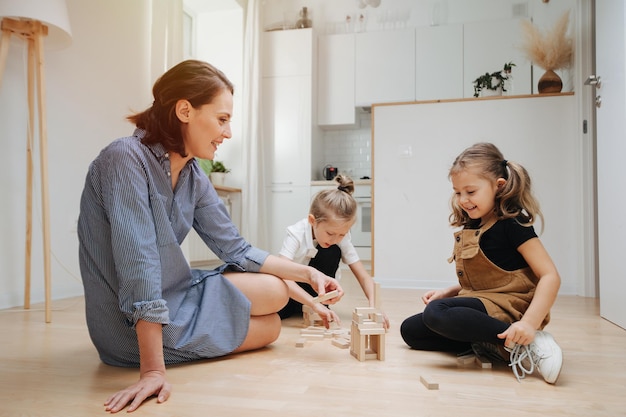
column 145, row 307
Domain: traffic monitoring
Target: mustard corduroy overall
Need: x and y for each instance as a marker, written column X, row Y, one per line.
column 505, row 294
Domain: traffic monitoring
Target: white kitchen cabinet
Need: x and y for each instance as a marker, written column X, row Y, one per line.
column 439, row 62
column 335, row 75
column 287, row 128
column 385, row 67
column 488, row 45
column 286, row 108
column 286, row 206
column 287, row 52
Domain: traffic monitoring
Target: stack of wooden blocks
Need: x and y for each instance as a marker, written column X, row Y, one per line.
column 311, row 318
column 367, row 335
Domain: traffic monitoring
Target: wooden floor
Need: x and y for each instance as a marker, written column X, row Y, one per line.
column 53, row 370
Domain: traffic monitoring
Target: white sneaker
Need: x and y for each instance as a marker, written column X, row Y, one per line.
column 543, row 353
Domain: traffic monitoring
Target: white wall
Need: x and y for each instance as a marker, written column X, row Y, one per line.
column 220, row 42
column 106, row 74
column 91, row 86
column 412, row 236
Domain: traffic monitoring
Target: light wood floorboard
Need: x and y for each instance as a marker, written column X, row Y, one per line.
column 53, row 370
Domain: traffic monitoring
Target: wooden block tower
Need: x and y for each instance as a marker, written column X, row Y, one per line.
column 367, row 334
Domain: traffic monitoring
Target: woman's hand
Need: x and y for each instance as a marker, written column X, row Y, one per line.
column 150, row 384
column 328, row 316
column 520, row 333
column 322, row 283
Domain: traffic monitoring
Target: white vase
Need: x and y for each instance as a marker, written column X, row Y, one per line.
column 490, row 93
column 485, row 92
column 217, row 178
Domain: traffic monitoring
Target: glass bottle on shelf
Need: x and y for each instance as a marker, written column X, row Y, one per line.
column 304, row 21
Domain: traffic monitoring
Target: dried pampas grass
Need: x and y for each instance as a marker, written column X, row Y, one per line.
column 552, row 51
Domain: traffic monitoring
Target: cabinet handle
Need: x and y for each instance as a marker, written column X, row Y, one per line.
column 282, row 183
column 282, row 191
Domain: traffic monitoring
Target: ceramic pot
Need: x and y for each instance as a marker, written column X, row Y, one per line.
column 217, row 178
column 550, row 82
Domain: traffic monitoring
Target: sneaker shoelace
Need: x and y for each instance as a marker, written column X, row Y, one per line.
column 518, row 354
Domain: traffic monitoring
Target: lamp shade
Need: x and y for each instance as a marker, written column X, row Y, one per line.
column 52, row 13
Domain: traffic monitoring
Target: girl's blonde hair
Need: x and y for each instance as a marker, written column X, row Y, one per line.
column 513, row 200
column 336, row 204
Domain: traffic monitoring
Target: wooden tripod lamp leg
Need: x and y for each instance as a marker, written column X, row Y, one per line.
column 34, row 32
column 29, row 172
column 43, row 155
column 4, row 50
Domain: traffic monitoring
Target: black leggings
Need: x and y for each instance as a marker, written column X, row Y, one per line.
column 451, row 325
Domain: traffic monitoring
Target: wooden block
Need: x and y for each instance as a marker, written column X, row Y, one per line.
column 365, row 310
column 359, row 318
column 341, row 343
column 340, row 332
column 377, row 343
column 370, row 354
column 428, row 383
column 370, row 325
column 483, row 362
column 466, row 359
column 300, row 342
column 377, row 295
column 327, row 296
column 313, row 330
column 333, row 325
column 312, row 335
column 368, row 332
column 357, row 343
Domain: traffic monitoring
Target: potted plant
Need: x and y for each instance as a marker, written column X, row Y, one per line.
column 493, row 82
column 551, row 51
column 215, row 170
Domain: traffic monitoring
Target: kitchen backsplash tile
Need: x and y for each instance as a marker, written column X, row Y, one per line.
column 350, row 149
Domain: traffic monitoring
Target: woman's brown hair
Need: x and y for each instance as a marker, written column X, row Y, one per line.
column 192, row 80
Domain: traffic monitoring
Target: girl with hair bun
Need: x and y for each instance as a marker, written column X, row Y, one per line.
column 322, row 240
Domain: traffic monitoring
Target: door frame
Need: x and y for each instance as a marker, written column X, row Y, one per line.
column 584, row 65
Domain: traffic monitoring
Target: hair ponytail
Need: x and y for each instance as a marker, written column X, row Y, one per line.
column 335, row 204
column 513, row 200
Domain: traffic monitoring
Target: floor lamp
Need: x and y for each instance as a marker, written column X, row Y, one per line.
column 34, row 21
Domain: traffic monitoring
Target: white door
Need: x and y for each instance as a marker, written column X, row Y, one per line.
column 611, row 149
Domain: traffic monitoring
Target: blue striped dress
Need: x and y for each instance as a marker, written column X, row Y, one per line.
column 130, row 228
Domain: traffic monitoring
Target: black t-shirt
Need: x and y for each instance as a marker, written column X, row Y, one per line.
column 500, row 243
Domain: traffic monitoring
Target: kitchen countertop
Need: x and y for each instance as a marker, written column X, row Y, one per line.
column 333, row 182
column 226, row 189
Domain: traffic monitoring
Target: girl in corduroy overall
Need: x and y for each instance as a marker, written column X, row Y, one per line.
column 507, row 280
